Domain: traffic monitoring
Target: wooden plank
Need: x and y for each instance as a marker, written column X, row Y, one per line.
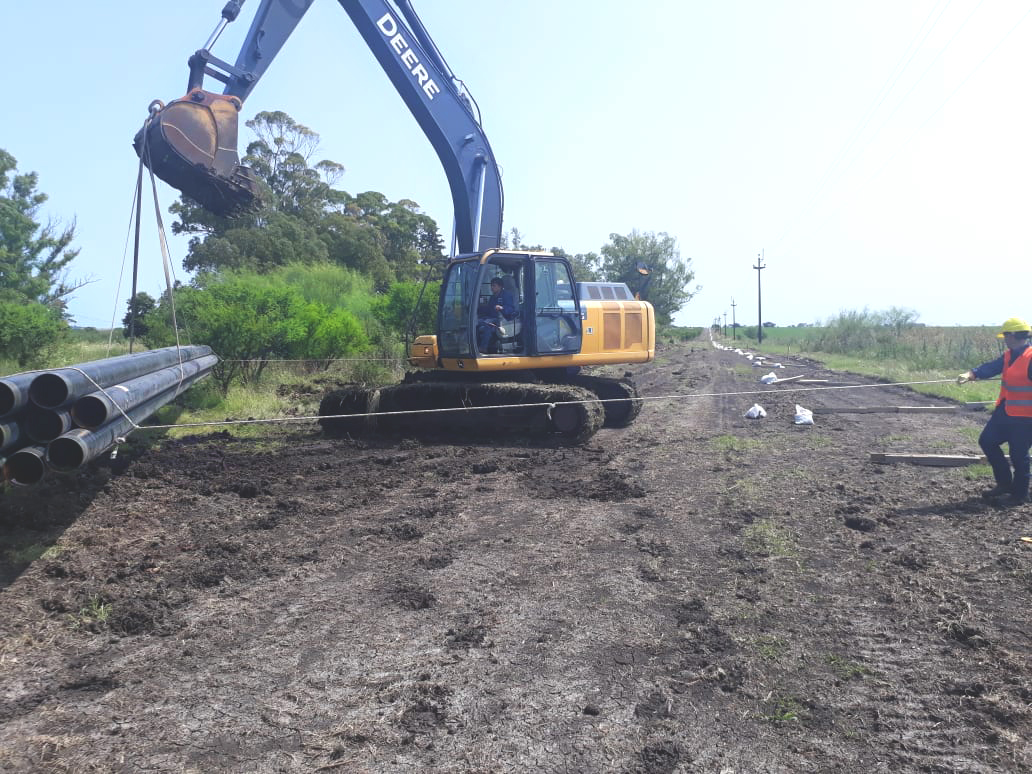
column 932, row 460
column 854, row 410
column 886, row 410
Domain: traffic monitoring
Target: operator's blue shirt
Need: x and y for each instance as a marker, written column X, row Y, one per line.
column 504, row 299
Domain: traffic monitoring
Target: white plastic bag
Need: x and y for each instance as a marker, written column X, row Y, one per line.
column 769, row 378
column 756, row 412
column 803, row 416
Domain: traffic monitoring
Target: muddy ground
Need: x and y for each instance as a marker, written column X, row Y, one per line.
column 698, row 592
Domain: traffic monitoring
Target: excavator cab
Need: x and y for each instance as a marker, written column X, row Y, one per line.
column 547, row 317
column 191, row 144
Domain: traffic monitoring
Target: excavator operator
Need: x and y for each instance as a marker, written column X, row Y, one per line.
column 500, row 305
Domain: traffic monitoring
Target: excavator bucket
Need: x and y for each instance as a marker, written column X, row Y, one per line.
column 191, row 144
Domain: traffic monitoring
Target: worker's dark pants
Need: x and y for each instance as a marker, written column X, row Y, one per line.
column 1016, row 432
column 486, row 331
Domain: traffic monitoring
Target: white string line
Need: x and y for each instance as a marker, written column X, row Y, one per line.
column 548, row 405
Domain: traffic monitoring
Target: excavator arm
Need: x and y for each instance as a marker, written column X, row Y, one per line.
column 192, row 142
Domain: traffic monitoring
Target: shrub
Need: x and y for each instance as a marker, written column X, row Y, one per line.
column 28, row 331
column 408, row 304
column 249, row 322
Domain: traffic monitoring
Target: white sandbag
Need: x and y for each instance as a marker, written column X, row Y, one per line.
column 803, row 416
column 756, row 412
column 769, row 378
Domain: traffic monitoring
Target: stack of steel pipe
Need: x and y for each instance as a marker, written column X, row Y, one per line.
column 64, row 417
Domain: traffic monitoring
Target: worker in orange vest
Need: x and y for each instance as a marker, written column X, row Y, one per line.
column 1011, row 421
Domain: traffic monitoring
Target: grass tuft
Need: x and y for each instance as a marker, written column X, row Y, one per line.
column 767, row 538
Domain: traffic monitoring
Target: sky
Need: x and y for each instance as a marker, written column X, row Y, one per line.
column 876, row 154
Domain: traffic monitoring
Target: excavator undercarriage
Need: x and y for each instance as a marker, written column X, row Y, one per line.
column 436, row 402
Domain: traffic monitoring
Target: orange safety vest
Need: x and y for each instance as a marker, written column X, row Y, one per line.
column 1015, row 386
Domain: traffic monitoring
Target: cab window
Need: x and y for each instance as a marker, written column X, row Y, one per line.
column 557, row 321
column 453, row 315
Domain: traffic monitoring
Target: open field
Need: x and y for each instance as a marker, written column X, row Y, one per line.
column 698, row 592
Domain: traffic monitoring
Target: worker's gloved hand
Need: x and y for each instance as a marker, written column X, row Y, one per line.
column 967, row 376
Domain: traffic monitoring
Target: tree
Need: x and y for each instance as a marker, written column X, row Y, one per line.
column 136, row 317
column 280, row 240
column 281, row 156
column 304, row 219
column 585, row 265
column 34, row 256
column 411, row 239
column 899, row 318
column 671, row 275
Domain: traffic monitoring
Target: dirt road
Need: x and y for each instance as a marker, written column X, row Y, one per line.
column 698, row 592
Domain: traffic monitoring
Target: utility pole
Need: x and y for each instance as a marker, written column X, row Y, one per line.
column 725, row 323
column 759, row 297
column 734, row 322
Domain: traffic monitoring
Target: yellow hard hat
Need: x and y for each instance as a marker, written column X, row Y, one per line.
column 1014, row 325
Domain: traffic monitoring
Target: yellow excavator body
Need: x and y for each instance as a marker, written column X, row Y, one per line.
column 614, row 333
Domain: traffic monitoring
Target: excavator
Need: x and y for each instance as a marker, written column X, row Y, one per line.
column 503, row 373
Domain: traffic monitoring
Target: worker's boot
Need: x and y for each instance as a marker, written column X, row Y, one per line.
column 997, row 491
column 1018, row 496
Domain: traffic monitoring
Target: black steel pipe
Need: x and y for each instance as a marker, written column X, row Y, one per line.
column 60, row 387
column 10, row 434
column 14, row 393
column 26, row 466
column 44, row 425
column 79, row 446
column 100, row 407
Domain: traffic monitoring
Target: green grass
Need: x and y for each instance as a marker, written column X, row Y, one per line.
column 732, row 443
column 768, row 538
column 912, row 354
column 284, row 391
column 266, row 400
column 96, row 611
column 846, row 669
column 971, row 433
column 784, row 709
column 770, row 648
column 980, row 472
column 27, row 554
column 81, row 346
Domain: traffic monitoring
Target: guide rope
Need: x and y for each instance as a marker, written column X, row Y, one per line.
column 546, row 405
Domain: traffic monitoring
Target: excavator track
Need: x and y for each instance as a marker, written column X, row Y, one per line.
column 568, row 413
column 619, row 398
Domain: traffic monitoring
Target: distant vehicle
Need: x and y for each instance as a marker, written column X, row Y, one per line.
column 769, row 325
